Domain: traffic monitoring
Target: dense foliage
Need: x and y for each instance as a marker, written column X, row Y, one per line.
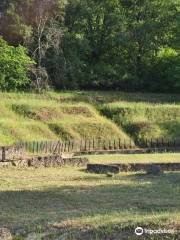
column 14, row 63
column 98, row 44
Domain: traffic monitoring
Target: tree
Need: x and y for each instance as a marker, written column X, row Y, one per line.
column 148, row 26
column 14, row 64
column 99, row 44
column 54, row 60
column 115, row 42
column 15, row 27
column 92, row 29
column 165, row 71
column 45, row 36
column 27, row 21
column 43, row 14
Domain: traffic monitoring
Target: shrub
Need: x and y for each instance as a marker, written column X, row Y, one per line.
column 165, row 72
column 14, row 63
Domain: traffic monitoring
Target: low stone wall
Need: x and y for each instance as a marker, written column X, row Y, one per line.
column 11, row 152
column 131, row 151
column 135, row 167
column 132, row 167
column 101, row 168
column 56, row 160
column 46, row 161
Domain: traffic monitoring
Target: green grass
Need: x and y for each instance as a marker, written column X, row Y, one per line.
column 145, row 120
column 79, row 203
column 76, row 202
column 135, row 158
column 43, row 117
column 97, row 97
column 77, row 115
column 89, row 205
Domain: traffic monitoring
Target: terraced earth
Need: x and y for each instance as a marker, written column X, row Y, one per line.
column 87, row 115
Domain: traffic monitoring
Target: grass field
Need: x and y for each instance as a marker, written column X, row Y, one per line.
column 80, row 205
column 84, row 115
column 71, row 204
column 135, row 158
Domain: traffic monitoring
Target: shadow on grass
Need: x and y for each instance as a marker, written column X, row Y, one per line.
column 110, row 96
column 166, row 177
column 140, row 195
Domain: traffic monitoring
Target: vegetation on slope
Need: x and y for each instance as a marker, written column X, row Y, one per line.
column 31, row 117
column 145, row 120
column 84, row 115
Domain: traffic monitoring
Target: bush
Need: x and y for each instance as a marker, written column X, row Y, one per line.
column 165, row 71
column 14, row 63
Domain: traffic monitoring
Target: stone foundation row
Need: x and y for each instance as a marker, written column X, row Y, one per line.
column 132, row 167
column 46, row 161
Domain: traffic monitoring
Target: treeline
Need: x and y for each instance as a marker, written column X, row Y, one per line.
column 90, row 44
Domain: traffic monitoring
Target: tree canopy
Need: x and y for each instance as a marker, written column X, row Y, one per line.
column 98, row 44
column 14, row 64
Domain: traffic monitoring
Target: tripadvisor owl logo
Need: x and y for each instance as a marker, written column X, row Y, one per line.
column 139, row 231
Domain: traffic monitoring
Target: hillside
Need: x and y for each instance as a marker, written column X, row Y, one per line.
column 42, row 117
column 77, row 115
column 145, row 120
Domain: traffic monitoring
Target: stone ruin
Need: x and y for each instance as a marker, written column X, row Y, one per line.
column 149, row 168
column 5, row 234
column 11, row 152
column 17, row 156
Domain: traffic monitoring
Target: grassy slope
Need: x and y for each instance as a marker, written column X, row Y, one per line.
column 72, row 199
column 143, row 115
column 44, row 117
column 145, row 120
column 74, row 115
